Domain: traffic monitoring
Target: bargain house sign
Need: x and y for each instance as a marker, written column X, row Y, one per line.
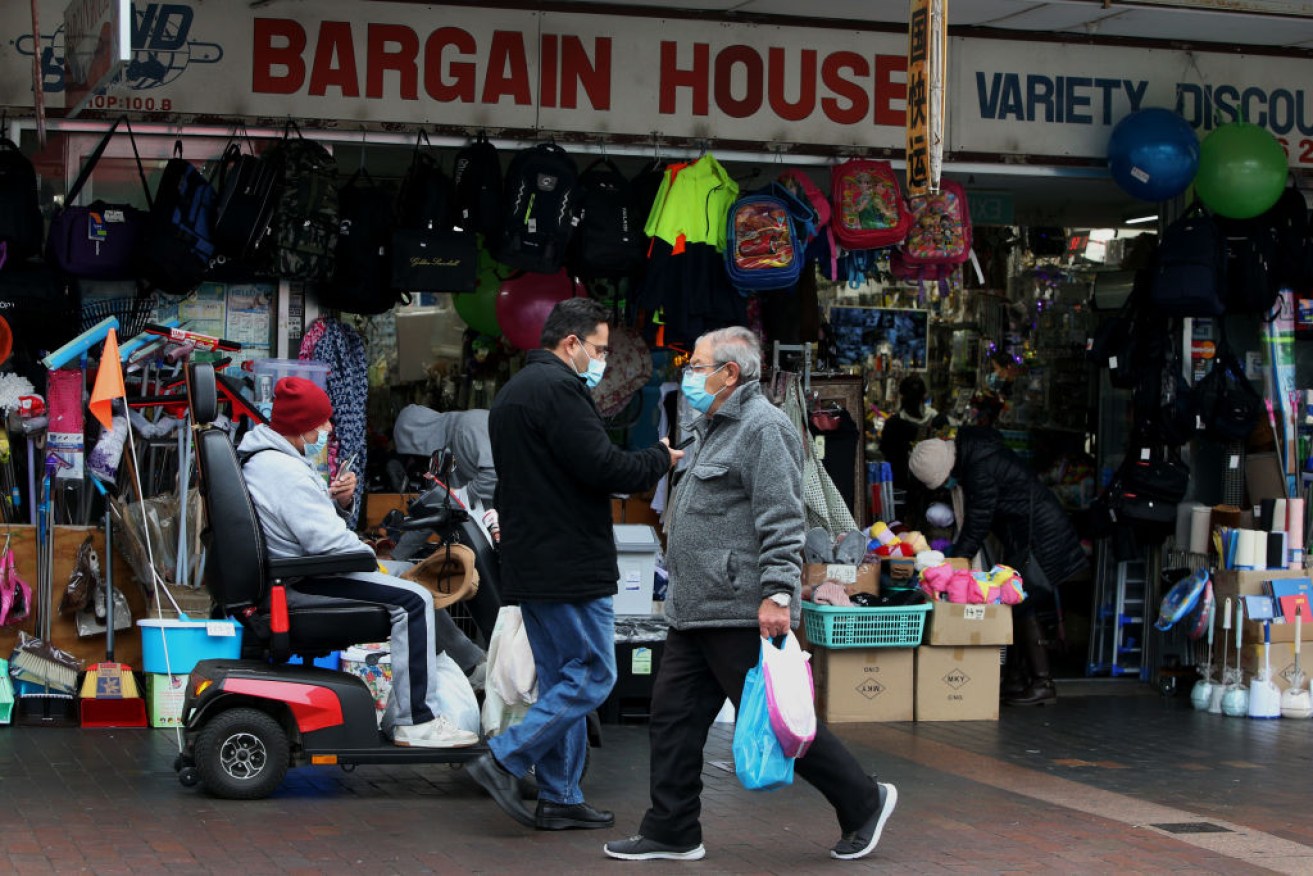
column 463, row 68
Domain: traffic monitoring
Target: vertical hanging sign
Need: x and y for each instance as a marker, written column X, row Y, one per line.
column 927, row 66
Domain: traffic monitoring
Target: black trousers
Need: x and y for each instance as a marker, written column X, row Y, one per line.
column 699, row 669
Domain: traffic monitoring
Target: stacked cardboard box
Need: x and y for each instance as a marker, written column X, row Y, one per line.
column 863, row 684
column 958, row 668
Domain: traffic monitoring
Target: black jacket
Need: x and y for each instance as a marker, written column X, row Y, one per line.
column 1002, row 495
column 556, row 471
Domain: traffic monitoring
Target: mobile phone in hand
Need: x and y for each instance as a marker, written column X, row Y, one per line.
column 686, row 442
column 345, row 466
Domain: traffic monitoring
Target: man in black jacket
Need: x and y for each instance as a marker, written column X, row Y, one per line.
column 557, row 469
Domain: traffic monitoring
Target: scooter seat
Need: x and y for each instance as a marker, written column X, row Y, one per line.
column 330, row 564
column 323, row 628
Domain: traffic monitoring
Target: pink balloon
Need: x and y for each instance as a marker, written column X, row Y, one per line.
column 524, row 302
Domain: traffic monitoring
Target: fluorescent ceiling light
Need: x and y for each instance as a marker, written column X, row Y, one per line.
column 1140, row 220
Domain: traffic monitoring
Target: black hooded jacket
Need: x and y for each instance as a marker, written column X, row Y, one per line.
column 1003, row 496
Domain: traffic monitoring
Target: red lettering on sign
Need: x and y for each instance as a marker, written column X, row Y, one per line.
column 285, row 56
column 335, row 43
column 508, row 69
column 852, row 105
column 547, row 53
column 460, row 85
column 382, row 57
column 673, row 78
column 777, row 85
column 577, row 70
column 887, row 91
column 726, row 102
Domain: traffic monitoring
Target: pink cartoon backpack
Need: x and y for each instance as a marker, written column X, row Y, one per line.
column 868, row 209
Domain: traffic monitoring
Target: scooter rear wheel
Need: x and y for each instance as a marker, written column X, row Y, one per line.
column 242, row 754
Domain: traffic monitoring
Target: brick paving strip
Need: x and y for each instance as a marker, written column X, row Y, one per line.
column 1233, row 840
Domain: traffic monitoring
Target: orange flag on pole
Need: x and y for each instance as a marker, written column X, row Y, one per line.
column 109, row 382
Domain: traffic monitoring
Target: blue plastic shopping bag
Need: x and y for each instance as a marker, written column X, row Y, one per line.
column 758, row 759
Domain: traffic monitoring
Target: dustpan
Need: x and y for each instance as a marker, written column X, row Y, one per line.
column 38, row 705
column 110, row 697
column 6, row 694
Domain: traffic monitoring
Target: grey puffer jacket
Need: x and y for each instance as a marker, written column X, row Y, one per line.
column 737, row 521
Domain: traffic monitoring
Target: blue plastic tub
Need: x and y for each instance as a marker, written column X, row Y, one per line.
column 188, row 643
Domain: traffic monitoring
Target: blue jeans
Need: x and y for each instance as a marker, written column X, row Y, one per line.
column 574, row 652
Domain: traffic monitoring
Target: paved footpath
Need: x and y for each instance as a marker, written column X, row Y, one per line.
column 1095, row 785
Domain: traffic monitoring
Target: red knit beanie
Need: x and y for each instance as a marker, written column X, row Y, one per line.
column 299, row 406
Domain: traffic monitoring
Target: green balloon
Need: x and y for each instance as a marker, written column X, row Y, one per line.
column 1242, row 171
column 479, row 308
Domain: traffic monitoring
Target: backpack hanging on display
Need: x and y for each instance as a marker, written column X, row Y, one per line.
column 100, row 241
column 1229, row 407
column 428, row 255
column 940, row 234
column 1288, row 218
column 1252, row 248
column 20, row 210
column 1190, row 272
column 607, row 241
column 303, row 232
column 539, row 200
column 820, row 247
column 868, row 210
column 247, row 194
column 181, row 219
column 478, row 188
column 361, row 281
column 762, row 249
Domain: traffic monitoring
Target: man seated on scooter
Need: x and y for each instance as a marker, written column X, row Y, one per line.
column 300, row 516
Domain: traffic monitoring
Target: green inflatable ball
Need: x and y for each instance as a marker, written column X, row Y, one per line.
column 479, row 308
column 1242, row 171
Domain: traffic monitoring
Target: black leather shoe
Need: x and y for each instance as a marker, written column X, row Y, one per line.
column 580, row 816
column 502, row 787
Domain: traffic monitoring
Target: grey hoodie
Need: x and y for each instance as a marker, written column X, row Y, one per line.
column 737, row 521
column 297, row 515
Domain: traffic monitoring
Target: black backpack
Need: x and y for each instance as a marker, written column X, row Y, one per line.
column 1289, row 219
column 478, row 188
column 1190, row 274
column 303, row 233
column 427, row 198
column 362, row 272
column 538, row 200
column 1228, row 404
column 247, row 194
column 20, row 211
column 181, row 242
column 608, row 241
column 1252, row 251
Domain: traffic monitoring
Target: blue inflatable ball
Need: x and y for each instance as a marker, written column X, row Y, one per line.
column 1153, row 154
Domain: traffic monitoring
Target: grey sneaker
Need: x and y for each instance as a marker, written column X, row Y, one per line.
column 861, row 842
column 640, row 848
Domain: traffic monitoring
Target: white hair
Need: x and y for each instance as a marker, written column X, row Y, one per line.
column 738, row 345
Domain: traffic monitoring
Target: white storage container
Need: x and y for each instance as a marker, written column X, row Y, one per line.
column 637, row 548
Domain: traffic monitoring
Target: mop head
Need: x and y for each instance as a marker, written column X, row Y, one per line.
column 12, row 387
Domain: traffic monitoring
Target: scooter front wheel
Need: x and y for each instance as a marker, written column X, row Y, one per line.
column 242, row 754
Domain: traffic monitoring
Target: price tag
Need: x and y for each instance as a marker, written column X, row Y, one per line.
column 1112, row 361
column 633, row 579
column 1144, row 454
column 819, row 444
column 641, row 662
column 223, row 629
column 973, row 612
column 1234, row 463
column 841, row 573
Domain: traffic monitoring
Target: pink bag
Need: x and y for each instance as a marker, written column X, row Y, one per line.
column 790, row 695
column 15, row 594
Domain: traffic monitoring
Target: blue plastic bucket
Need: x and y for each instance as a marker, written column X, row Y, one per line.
column 188, row 642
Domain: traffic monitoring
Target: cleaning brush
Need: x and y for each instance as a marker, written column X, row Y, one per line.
column 37, row 661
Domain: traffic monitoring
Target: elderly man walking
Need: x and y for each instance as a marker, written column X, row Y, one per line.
column 735, row 543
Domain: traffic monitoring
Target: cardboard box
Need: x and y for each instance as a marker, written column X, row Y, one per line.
column 164, row 698
column 1283, row 662
column 956, row 624
column 855, row 579
column 1228, row 583
column 863, row 684
column 957, row 684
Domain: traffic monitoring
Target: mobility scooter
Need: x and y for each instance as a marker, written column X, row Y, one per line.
column 247, row 721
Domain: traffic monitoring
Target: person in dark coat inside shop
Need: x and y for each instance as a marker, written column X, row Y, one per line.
column 557, row 469
column 996, row 492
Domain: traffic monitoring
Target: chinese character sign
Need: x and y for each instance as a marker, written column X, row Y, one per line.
column 927, row 49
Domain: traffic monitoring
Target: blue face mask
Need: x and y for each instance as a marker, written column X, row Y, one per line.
column 310, row 450
column 592, row 375
column 694, row 387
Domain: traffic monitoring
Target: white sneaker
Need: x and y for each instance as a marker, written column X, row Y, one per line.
column 438, row 733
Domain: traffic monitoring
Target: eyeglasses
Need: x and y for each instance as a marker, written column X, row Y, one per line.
column 599, row 352
column 703, row 369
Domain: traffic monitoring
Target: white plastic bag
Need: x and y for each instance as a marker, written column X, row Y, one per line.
column 456, row 700
column 790, row 694
column 512, row 684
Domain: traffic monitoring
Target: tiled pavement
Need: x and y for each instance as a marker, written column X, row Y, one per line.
column 1072, row 789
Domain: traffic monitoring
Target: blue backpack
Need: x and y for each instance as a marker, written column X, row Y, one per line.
column 762, row 248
